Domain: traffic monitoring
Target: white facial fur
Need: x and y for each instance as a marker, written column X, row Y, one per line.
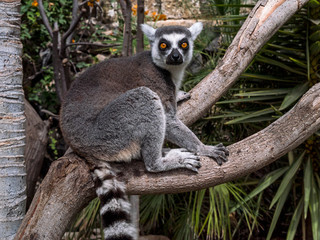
column 173, row 38
column 195, row 30
column 177, row 71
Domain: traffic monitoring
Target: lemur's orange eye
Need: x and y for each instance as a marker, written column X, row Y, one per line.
column 184, row 45
column 163, row 45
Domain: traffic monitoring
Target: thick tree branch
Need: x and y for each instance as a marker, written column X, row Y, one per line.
column 60, row 197
column 67, row 188
column 246, row 156
column 262, row 23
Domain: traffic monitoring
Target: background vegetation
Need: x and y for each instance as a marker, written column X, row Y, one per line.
column 250, row 208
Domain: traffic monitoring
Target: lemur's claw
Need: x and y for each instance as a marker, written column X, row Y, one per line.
column 219, row 153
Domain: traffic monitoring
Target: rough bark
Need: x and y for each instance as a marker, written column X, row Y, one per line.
column 12, row 120
column 36, row 144
column 140, row 20
column 60, row 196
column 246, row 156
column 126, row 6
column 68, row 186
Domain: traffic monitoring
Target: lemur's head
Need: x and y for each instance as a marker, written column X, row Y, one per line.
column 172, row 46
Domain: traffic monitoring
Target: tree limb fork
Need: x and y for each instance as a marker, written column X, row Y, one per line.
column 68, row 186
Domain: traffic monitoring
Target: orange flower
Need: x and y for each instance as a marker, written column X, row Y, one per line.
column 134, row 9
column 146, row 12
column 34, row 3
column 157, row 17
column 162, row 17
column 73, row 41
column 91, row 3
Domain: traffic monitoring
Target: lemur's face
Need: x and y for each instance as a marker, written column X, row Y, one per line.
column 172, row 49
column 172, row 46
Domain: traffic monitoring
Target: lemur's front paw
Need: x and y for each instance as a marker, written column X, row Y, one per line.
column 219, row 152
column 185, row 159
column 182, row 96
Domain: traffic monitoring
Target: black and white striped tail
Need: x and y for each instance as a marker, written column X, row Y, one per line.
column 115, row 207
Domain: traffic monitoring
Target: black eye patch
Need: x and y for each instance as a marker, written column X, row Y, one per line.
column 184, row 44
column 164, row 45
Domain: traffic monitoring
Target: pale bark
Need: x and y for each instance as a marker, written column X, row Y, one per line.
column 60, row 197
column 12, row 120
column 246, row 156
column 68, row 186
column 262, row 23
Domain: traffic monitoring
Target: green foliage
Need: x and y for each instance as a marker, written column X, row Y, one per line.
column 211, row 211
column 35, row 38
column 33, row 33
column 87, row 224
column 205, row 214
column 44, row 92
column 278, row 76
column 275, row 80
column 53, row 143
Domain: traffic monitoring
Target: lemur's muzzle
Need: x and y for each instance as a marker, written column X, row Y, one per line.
column 174, row 58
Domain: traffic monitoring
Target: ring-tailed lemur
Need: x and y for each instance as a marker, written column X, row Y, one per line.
column 124, row 108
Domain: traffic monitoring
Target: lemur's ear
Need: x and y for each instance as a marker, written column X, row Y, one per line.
column 195, row 30
column 148, row 31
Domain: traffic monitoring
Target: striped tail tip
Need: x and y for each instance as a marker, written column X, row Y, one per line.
column 115, row 207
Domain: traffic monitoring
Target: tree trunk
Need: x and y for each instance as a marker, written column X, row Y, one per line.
column 12, row 120
column 69, row 188
column 127, row 36
column 246, row 156
column 140, row 20
column 36, row 144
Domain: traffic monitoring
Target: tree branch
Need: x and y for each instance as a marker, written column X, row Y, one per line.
column 45, row 18
column 92, row 44
column 140, row 20
column 74, row 23
column 246, row 156
column 61, row 195
column 127, row 38
column 262, row 23
column 59, row 73
column 75, row 7
column 68, row 185
column 67, row 188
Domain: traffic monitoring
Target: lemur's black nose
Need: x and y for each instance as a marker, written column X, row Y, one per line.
column 175, row 57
